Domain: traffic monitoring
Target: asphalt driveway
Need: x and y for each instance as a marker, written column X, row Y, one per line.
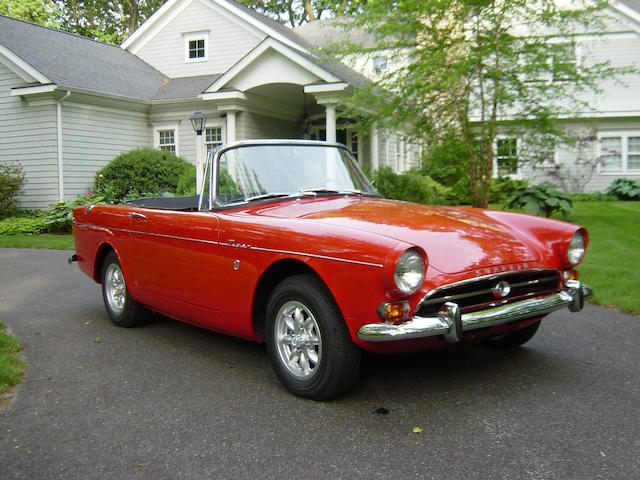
column 170, row 401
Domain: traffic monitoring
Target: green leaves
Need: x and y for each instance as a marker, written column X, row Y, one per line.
column 625, row 189
column 541, row 200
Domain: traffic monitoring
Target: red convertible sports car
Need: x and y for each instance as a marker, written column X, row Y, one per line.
column 289, row 244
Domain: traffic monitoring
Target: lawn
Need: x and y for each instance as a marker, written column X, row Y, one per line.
column 11, row 363
column 612, row 264
column 48, row 241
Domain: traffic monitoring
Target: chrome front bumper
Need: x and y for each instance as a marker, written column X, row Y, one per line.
column 451, row 323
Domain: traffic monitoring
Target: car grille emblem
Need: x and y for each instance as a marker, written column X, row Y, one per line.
column 501, row 290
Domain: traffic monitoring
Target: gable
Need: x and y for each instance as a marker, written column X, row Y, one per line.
column 164, row 41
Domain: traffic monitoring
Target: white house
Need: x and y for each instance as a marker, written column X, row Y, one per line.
column 68, row 105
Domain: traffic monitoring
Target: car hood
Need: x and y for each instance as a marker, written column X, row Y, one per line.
column 455, row 240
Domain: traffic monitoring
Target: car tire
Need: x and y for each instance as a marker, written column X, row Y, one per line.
column 121, row 308
column 515, row 339
column 308, row 341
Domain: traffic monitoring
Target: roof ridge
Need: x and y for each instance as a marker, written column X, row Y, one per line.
column 55, row 30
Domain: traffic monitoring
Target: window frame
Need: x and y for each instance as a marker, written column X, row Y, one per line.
column 194, row 37
column 497, row 158
column 624, row 136
column 211, row 127
column 165, row 128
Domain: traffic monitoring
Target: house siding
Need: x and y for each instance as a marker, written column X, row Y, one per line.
column 28, row 137
column 250, row 125
column 228, row 42
column 93, row 136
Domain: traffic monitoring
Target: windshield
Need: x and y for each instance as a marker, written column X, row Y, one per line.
column 253, row 172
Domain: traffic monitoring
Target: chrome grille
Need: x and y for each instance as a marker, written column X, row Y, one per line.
column 478, row 293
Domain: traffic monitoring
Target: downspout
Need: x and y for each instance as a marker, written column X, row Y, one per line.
column 60, row 158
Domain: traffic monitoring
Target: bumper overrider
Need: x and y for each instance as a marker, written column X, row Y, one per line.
column 452, row 323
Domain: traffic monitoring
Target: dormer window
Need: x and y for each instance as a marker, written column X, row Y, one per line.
column 196, row 49
column 196, row 46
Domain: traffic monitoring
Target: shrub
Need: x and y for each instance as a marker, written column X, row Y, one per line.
column 187, row 182
column 410, row 186
column 625, row 189
column 141, row 172
column 58, row 217
column 504, row 187
column 541, row 199
column 22, row 226
column 11, row 180
column 447, row 162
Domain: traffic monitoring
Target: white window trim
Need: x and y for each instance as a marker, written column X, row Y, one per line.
column 223, row 136
column 624, row 152
column 156, row 136
column 191, row 36
column 496, row 169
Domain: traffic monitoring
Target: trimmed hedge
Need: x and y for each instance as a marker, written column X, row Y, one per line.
column 141, row 172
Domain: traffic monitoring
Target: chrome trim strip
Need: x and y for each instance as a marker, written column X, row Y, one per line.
column 421, row 327
column 234, row 245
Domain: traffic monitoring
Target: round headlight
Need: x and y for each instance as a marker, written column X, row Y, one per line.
column 576, row 248
column 409, row 272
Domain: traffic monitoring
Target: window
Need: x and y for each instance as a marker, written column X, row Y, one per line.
column 507, row 156
column 620, row 153
column 564, row 62
column 380, row 64
column 196, row 46
column 167, row 140
column 212, row 138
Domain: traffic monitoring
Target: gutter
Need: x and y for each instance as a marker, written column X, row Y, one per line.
column 59, row 139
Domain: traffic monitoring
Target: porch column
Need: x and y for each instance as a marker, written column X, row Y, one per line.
column 330, row 122
column 231, row 126
column 375, row 159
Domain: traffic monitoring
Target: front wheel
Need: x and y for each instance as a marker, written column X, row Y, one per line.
column 307, row 339
column 123, row 310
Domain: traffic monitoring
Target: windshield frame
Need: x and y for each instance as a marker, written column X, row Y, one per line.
column 212, row 170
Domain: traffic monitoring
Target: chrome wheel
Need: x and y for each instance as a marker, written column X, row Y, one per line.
column 298, row 340
column 115, row 289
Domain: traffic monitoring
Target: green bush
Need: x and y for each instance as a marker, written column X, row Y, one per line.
column 447, row 162
column 541, row 199
column 141, row 172
column 22, row 226
column 504, row 187
column 625, row 189
column 11, row 180
column 410, row 186
column 187, row 182
column 58, row 217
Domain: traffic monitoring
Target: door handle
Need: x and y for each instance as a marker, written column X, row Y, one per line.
column 137, row 215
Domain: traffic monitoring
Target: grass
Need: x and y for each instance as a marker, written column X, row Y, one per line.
column 612, row 262
column 47, row 241
column 11, row 363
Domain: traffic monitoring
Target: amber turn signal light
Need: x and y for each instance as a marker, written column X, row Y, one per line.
column 394, row 313
column 570, row 275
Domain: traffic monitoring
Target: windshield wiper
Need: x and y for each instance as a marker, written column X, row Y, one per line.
column 331, row 191
column 269, row 195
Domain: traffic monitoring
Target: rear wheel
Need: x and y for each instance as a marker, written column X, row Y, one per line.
column 121, row 308
column 307, row 340
column 517, row 338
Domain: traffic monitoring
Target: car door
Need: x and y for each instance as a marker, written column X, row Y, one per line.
column 177, row 262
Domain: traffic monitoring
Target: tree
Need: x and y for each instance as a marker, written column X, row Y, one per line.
column 480, row 68
column 42, row 12
column 297, row 12
column 106, row 20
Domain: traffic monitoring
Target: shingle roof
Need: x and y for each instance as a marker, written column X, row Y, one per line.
column 71, row 61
